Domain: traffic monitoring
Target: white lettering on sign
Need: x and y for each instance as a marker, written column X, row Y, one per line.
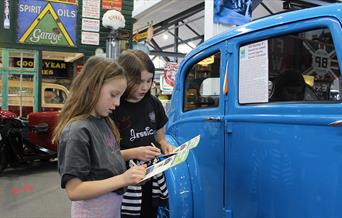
column 66, row 13
column 38, row 35
column 30, row 8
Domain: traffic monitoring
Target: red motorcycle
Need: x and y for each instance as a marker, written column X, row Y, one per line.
column 26, row 140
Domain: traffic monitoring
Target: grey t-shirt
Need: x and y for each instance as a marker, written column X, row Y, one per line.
column 88, row 150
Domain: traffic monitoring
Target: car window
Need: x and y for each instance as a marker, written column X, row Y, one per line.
column 54, row 96
column 297, row 67
column 202, row 84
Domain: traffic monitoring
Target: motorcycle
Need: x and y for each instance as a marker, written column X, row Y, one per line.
column 26, row 140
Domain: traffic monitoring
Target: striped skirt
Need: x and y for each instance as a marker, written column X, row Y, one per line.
column 131, row 202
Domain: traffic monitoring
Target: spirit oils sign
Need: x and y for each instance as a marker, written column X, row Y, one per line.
column 46, row 23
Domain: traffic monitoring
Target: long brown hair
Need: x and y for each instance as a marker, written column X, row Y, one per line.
column 134, row 62
column 84, row 93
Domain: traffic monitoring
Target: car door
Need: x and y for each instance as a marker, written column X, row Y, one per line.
column 200, row 111
column 284, row 148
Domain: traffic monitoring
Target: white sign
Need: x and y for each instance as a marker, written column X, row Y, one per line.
column 90, row 38
column 90, row 25
column 253, row 73
column 91, row 8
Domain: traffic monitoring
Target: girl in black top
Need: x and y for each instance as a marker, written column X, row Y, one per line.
column 90, row 163
column 140, row 119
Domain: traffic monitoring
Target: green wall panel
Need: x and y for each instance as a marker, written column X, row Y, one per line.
column 8, row 37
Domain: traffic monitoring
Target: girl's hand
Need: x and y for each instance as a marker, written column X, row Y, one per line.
column 147, row 153
column 134, row 175
column 168, row 149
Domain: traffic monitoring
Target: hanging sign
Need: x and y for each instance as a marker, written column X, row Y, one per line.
column 112, row 5
column 46, row 23
column 170, row 71
column 164, row 87
column 139, row 36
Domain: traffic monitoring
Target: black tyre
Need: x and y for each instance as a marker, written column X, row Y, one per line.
column 3, row 161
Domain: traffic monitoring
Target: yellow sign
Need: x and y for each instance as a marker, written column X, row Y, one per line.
column 74, row 2
column 139, row 36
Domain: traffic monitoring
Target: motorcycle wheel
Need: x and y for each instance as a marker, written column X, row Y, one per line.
column 3, row 161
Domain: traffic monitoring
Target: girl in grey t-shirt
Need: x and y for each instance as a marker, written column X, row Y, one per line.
column 91, row 166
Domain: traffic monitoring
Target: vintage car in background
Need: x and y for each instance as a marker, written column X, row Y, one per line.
column 267, row 104
column 20, row 96
column 25, row 136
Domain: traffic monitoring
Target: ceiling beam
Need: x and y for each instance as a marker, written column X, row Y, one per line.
column 185, row 40
column 155, row 45
column 165, row 24
column 166, row 53
column 190, row 28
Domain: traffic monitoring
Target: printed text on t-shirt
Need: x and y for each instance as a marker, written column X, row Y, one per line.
column 147, row 132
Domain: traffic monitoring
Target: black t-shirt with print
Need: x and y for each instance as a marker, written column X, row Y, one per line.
column 138, row 122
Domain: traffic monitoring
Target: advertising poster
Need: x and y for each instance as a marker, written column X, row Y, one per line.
column 90, row 25
column 46, row 23
column 112, row 5
column 233, row 12
column 91, row 9
column 90, row 38
column 170, row 71
column 165, row 87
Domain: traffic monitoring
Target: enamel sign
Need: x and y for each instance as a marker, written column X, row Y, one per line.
column 46, row 23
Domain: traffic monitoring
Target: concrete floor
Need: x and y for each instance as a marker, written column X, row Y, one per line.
column 33, row 191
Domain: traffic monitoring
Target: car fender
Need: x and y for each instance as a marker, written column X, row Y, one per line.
column 179, row 186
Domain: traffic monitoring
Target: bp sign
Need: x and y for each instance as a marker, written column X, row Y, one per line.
column 46, row 23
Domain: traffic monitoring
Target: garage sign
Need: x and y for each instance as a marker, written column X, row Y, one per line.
column 46, row 23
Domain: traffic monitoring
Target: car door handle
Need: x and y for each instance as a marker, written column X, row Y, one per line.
column 218, row 118
column 336, row 123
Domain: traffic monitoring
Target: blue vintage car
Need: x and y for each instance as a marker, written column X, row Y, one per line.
column 266, row 99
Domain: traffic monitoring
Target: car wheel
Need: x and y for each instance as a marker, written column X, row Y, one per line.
column 3, row 161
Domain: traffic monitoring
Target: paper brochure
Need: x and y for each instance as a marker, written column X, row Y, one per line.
column 181, row 153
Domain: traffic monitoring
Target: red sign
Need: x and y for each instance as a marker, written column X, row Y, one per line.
column 112, row 4
column 170, row 71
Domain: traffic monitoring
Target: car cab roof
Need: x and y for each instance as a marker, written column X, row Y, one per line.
column 333, row 10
